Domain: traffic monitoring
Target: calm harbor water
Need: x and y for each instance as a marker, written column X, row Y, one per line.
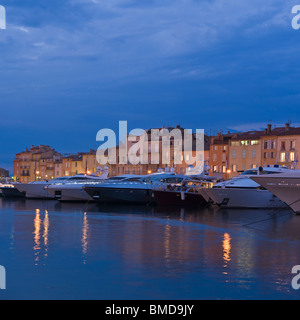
column 53, row 250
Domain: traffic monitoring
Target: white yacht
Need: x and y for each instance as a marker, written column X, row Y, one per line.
column 285, row 186
column 39, row 189
column 36, row 189
column 243, row 192
column 131, row 190
column 74, row 190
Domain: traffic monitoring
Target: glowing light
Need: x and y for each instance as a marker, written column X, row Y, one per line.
column 226, row 250
column 37, row 236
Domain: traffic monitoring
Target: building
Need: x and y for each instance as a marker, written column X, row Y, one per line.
column 158, row 149
column 36, row 163
column 80, row 163
column 4, row 173
column 281, row 146
column 244, row 152
column 219, row 154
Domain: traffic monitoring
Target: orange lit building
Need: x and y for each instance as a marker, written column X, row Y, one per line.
column 36, row 163
column 245, row 152
column 219, row 154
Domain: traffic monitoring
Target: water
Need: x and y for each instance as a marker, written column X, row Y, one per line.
column 52, row 250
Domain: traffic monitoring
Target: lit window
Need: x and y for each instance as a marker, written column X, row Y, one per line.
column 292, row 156
column 282, row 157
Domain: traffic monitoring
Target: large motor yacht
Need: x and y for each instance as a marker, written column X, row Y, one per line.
column 186, row 193
column 74, row 190
column 131, row 190
column 39, row 189
column 243, row 192
column 285, row 186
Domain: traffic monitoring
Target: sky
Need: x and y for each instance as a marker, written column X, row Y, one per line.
column 69, row 68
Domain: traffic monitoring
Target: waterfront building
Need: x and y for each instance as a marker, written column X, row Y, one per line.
column 244, row 152
column 150, row 153
column 80, row 163
column 4, row 173
column 36, row 163
column 219, row 154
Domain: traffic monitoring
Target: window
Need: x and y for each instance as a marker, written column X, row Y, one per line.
column 253, row 153
column 234, row 167
column 282, row 157
column 245, row 143
column 292, row 156
column 244, row 153
column 223, row 157
column 265, row 144
column 235, row 143
column 233, row 154
column 254, row 142
column 282, row 146
column 214, row 157
column 273, row 144
column 292, row 145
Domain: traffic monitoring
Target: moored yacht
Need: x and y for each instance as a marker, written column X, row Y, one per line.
column 285, row 186
column 39, row 189
column 243, row 192
column 36, row 189
column 73, row 190
column 131, row 190
column 10, row 191
column 186, row 193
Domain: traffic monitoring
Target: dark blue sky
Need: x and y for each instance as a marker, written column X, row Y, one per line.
column 70, row 68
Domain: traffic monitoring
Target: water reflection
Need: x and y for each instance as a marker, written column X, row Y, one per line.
column 226, row 250
column 84, row 239
column 189, row 248
column 37, row 229
column 38, row 224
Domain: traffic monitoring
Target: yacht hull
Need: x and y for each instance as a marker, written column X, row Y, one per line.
column 173, row 198
column 70, row 194
column 34, row 191
column 12, row 193
column 120, row 195
column 287, row 189
column 243, row 198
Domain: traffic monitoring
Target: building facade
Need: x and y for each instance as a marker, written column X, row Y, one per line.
column 36, row 163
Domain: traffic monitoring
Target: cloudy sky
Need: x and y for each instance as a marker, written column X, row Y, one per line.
column 69, row 68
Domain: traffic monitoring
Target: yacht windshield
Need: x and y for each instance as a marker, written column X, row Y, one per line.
column 255, row 172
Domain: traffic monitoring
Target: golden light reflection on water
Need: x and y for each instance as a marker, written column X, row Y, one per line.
column 226, row 250
column 84, row 239
column 46, row 232
column 37, row 236
column 167, row 242
column 38, row 224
